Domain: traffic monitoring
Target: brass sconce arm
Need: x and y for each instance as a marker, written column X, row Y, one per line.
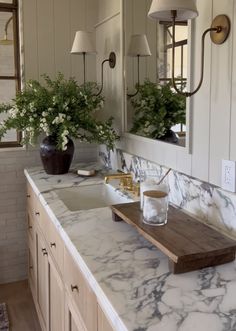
column 7, row 23
column 112, row 64
column 138, row 83
column 219, row 30
column 6, row 41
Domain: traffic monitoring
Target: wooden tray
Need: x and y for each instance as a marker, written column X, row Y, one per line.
column 189, row 244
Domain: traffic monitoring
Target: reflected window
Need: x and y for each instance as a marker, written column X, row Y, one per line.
column 164, row 58
column 9, row 62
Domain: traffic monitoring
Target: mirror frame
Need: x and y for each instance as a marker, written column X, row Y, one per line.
column 145, row 147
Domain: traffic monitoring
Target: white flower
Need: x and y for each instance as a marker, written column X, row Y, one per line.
column 13, row 112
column 44, row 113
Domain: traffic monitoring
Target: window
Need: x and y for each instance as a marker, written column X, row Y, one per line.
column 9, row 62
column 165, row 58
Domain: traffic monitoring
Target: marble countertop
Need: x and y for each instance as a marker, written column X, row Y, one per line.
column 130, row 276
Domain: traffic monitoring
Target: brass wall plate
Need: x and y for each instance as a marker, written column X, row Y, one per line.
column 222, row 22
column 112, row 60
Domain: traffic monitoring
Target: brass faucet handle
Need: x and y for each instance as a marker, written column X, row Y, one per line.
column 126, row 182
column 136, row 189
column 117, row 176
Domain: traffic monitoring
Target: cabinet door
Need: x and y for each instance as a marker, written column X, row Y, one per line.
column 73, row 320
column 103, row 323
column 80, row 292
column 42, row 280
column 32, row 272
column 56, row 299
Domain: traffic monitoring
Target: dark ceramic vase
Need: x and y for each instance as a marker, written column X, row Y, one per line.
column 56, row 162
column 170, row 137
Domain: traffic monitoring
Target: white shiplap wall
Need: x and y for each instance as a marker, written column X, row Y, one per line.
column 108, row 38
column 213, row 108
column 49, row 27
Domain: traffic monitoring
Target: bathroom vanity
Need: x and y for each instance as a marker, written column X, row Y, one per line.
column 87, row 272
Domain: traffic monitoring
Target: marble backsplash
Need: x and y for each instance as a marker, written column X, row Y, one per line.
column 208, row 203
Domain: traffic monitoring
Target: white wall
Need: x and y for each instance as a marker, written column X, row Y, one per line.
column 108, row 38
column 48, row 30
column 212, row 109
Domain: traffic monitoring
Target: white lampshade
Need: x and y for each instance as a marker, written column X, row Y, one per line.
column 83, row 43
column 139, row 46
column 161, row 9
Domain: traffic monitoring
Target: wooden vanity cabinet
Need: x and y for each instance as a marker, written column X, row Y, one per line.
column 63, row 298
column 103, row 323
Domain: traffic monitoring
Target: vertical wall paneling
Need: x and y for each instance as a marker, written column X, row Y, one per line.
column 220, row 97
column 233, row 105
column 107, row 8
column 77, row 18
column 45, row 21
column 30, row 40
column 139, row 27
column 107, row 40
column 62, row 41
column 201, row 100
column 91, row 18
column 151, row 30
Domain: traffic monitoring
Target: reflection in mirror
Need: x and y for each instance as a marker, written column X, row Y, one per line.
column 154, row 110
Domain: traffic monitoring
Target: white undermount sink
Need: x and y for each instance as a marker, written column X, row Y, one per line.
column 90, row 196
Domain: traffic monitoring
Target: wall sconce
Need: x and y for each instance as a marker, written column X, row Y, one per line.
column 6, row 41
column 83, row 45
column 182, row 10
column 138, row 47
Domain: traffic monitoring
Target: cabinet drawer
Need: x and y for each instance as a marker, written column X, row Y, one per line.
column 81, row 293
column 32, row 200
column 55, row 245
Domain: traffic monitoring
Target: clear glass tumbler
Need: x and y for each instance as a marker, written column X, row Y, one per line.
column 155, row 207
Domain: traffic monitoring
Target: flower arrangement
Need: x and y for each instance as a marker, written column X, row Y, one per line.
column 157, row 109
column 59, row 108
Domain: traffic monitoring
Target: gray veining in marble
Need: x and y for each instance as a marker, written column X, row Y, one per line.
column 208, row 203
column 130, row 276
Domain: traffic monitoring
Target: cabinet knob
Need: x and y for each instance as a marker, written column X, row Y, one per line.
column 53, row 245
column 31, row 267
column 74, row 288
column 37, row 213
column 44, row 251
column 30, row 227
column 28, row 195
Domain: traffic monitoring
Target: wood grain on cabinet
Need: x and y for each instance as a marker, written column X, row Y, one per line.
column 56, row 298
column 103, row 323
column 32, row 272
column 42, row 281
column 73, row 320
column 80, row 292
column 32, row 200
column 55, row 244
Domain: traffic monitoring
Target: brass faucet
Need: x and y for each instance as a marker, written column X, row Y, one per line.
column 126, row 182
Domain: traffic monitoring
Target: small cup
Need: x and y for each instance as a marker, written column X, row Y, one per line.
column 155, row 207
column 147, row 185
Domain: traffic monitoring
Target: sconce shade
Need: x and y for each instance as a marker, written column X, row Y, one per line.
column 139, row 46
column 83, row 43
column 161, row 9
column 6, row 41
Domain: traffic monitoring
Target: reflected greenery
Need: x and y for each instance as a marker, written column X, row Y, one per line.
column 157, row 108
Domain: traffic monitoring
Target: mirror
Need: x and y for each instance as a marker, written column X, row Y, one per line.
column 153, row 109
